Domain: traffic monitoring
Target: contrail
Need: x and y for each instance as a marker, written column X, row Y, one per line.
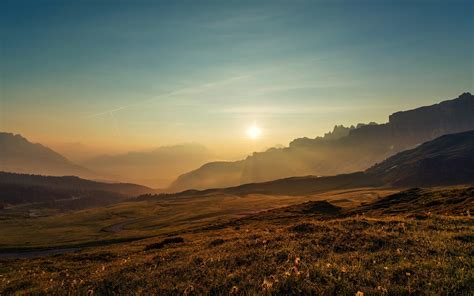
column 193, row 89
column 197, row 88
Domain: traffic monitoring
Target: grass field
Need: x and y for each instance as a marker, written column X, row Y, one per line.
column 387, row 246
column 147, row 218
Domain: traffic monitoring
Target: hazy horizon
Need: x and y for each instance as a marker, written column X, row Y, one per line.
column 79, row 151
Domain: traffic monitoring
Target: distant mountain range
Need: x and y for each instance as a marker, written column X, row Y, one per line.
column 157, row 168
column 343, row 151
column 447, row 160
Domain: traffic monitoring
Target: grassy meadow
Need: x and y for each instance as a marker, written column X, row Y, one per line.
column 313, row 248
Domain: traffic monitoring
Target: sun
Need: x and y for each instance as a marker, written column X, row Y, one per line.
column 254, row 132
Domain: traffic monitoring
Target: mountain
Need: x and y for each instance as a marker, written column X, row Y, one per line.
column 338, row 153
column 157, row 168
column 19, row 155
column 447, row 160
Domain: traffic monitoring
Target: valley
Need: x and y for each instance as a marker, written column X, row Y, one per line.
column 140, row 219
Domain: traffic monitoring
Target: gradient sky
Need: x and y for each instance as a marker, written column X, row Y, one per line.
column 137, row 74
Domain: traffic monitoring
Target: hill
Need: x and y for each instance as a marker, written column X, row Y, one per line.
column 362, row 147
column 19, row 155
column 62, row 192
column 72, row 182
column 447, row 160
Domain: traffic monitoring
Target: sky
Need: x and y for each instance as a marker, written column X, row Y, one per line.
column 131, row 75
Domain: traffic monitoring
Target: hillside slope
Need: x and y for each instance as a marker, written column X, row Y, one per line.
column 447, row 160
column 19, row 155
column 314, row 248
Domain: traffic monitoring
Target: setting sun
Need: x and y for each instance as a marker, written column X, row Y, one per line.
column 254, row 132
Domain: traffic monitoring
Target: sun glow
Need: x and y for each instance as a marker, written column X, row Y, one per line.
column 254, row 132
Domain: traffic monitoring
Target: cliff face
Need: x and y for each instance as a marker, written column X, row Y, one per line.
column 360, row 149
column 431, row 122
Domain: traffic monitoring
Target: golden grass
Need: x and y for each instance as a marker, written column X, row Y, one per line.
column 283, row 251
column 155, row 217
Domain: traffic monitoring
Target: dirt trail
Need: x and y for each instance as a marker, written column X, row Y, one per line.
column 117, row 227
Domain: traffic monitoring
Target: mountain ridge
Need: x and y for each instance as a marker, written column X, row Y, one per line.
column 364, row 146
column 22, row 156
column 455, row 150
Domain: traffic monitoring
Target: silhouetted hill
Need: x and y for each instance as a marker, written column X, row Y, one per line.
column 418, row 202
column 447, row 160
column 296, row 185
column 19, row 155
column 63, row 192
column 72, row 182
column 364, row 146
column 157, row 168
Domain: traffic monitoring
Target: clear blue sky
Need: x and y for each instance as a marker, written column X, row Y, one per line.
column 148, row 73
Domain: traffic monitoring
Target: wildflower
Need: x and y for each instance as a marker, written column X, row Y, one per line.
column 267, row 284
column 297, row 261
column 234, row 290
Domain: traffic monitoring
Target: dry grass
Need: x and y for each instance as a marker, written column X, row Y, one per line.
column 301, row 253
column 148, row 218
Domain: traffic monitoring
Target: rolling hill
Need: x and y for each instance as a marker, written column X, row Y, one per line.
column 361, row 148
column 63, row 192
column 72, row 182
